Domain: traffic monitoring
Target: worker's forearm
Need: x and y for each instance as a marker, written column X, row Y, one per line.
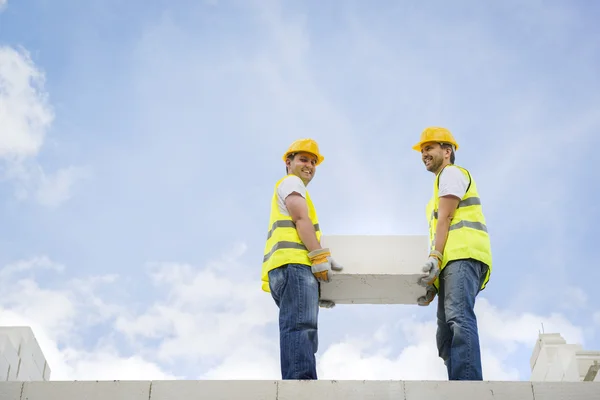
column 306, row 231
column 441, row 234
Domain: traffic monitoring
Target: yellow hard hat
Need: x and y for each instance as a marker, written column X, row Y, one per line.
column 436, row 134
column 307, row 145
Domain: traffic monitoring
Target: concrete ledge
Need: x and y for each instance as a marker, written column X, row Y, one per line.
column 377, row 269
column 298, row 390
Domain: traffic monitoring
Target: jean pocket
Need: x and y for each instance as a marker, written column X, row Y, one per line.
column 277, row 280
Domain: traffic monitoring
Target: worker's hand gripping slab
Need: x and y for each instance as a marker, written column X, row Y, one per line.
column 431, row 268
column 322, row 263
column 428, row 297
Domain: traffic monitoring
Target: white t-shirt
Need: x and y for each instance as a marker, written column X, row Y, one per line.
column 453, row 182
column 289, row 185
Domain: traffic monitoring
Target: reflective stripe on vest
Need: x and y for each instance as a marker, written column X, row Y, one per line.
column 283, row 245
column 467, row 236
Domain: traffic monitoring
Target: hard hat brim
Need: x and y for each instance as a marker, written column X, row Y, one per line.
column 417, row 147
column 319, row 157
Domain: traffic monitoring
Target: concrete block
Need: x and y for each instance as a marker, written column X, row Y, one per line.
column 350, row 390
column 28, row 371
column 377, row 269
column 23, row 353
column 103, row 390
column 8, row 351
column 4, row 367
column 458, row 390
column 31, row 353
column 47, row 371
column 214, row 390
column 10, row 390
column 566, row 390
column 299, row 390
column 14, row 334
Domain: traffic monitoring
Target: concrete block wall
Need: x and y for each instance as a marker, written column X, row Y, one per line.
column 21, row 358
column 299, row 390
column 378, row 269
column 553, row 359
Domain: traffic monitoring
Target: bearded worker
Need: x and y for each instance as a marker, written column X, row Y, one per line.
column 294, row 263
column 460, row 259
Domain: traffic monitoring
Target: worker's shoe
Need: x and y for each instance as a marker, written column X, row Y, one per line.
column 428, row 297
column 322, row 263
column 431, row 268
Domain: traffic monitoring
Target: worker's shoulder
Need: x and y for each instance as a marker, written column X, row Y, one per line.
column 290, row 184
column 454, row 167
column 452, row 170
column 292, row 178
column 455, row 171
column 454, row 175
column 291, row 181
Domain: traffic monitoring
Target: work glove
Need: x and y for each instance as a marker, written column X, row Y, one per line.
column 428, row 297
column 431, row 268
column 322, row 263
column 326, row 304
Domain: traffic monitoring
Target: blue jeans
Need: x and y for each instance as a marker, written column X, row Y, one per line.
column 457, row 334
column 296, row 292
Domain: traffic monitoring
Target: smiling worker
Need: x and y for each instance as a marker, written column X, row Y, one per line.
column 294, row 262
column 460, row 260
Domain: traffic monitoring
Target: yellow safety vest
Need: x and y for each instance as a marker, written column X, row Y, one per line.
column 467, row 236
column 284, row 245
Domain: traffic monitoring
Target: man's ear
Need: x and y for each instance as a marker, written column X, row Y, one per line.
column 448, row 151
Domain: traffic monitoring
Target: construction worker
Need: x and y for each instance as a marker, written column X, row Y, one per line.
column 460, row 259
column 294, row 263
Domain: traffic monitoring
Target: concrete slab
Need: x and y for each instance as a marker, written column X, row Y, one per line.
column 566, row 390
column 363, row 390
column 214, row 390
column 298, row 390
column 377, row 269
column 103, row 390
column 458, row 390
column 10, row 390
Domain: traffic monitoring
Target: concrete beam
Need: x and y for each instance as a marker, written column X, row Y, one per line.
column 377, row 269
column 298, row 390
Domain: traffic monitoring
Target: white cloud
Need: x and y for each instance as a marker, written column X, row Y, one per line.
column 502, row 335
column 214, row 322
column 3, row 4
column 204, row 313
column 25, row 113
column 42, row 262
column 25, row 117
column 510, row 328
column 574, row 298
column 71, row 361
column 59, row 317
column 56, row 188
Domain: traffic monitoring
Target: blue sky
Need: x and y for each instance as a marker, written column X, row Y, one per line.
column 140, row 141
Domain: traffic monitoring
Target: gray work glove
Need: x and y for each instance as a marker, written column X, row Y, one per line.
column 428, row 297
column 326, row 304
column 431, row 268
column 322, row 263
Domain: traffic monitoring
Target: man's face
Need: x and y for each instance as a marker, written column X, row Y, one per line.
column 432, row 155
column 304, row 166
